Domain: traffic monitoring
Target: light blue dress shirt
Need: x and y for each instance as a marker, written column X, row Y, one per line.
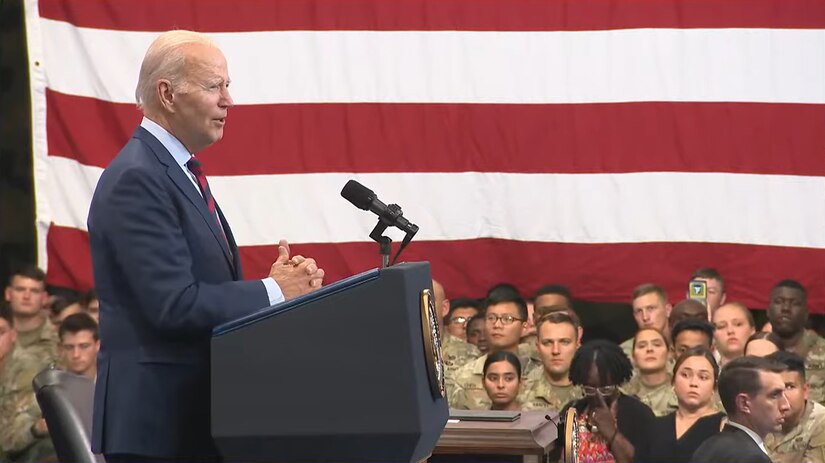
column 182, row 156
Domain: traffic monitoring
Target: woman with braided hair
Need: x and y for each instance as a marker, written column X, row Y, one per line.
column 611, row 426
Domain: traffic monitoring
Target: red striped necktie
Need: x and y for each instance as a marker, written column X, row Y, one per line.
column 194, row 166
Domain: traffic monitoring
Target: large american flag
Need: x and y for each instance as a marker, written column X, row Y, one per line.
column 594, row 143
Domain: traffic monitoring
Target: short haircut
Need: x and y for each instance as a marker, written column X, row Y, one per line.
column 502, row 356
column 793, row 284
column 743, row 308
column 166, row 59
column 78, row 322
column 87, row 298
column 5, row 314
column 648, row 288
column 556, row 318
column 683, row 306
column 540, row 312
column 792, row 361
column 692, row 324
column 61, row 303
column 561, row 290
column 610, row 360
column 698, row 351
column 767, row 336
column 502, row 298
column 667, row 343
column 502, row 290
column 473, row 319
column 709, row 273
column 462, row 303
column 741, row 375
column 28, row 271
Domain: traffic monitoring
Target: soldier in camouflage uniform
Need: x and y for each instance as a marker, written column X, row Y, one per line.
column 661, row 398
column 549, row 388
column 788, row 314
column 651, row 382
column 651, row 309
column 455, row 351
column 23, row 433
column 504, row 323
column 803, row 433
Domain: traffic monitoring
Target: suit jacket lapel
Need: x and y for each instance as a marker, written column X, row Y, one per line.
column 186, row 187
column 233, row 246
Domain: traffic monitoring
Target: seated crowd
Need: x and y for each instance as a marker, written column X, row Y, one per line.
column 674, row 391
column 38, row 332
column 677, row 390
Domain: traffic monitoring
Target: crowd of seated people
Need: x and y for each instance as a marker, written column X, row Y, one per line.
column 658, row 396
column 692, row 376
column 39, row 331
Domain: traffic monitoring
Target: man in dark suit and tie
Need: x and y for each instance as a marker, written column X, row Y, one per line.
column 753, row 394
column 166, row 264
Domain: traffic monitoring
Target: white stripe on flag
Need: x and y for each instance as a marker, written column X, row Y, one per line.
column 571, row 208
column 741, row 65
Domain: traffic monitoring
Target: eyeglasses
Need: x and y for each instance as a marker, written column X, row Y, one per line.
column 603, row 391
column 459, row 320
column 505, row 319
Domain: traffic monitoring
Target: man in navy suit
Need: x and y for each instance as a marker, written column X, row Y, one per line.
column 753, row 394
column 166, row 264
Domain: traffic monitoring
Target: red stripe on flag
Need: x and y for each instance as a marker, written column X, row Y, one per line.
column 561, row 138
column 70, row 262
column 599, row 272
column 499, row 15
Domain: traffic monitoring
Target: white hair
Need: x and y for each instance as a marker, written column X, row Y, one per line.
column 165, row 59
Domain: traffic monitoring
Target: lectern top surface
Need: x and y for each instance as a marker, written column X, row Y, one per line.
column 266, row 312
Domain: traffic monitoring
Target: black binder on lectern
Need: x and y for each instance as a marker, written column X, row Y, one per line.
column 350, row 372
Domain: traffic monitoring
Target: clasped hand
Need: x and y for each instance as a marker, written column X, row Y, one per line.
column 295, row 275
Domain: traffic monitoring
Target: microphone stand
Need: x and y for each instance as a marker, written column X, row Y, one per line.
column 385, row 242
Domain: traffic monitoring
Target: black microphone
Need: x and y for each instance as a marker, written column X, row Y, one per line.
column 366, row 199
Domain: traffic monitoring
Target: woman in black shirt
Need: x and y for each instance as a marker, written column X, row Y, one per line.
column 677, row 435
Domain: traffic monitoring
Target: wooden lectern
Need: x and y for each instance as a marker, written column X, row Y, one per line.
column 351, row 372
column 532, row 435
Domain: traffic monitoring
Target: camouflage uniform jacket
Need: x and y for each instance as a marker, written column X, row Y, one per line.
column 814, row 345
column 456, row 353
column 805, row 442
column 468, row 391
column 18, row 405
column 661, row 399
column 541, row 395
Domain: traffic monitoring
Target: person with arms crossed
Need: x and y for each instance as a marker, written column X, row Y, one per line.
column 166, row 265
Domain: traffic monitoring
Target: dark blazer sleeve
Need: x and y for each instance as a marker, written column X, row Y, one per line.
column 140, row 219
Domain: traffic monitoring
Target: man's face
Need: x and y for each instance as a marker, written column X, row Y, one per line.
column 201, row 105
column 556, row 344
column 651, row 312
column 767, row 408
column 787, row 311
column 79, row 351
column 26, row 296
column 442, row 305
column 457, row 324
column 501, row 333
column 796, row 391
column 689, row 338
column 476, row 335
column 715, row 295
